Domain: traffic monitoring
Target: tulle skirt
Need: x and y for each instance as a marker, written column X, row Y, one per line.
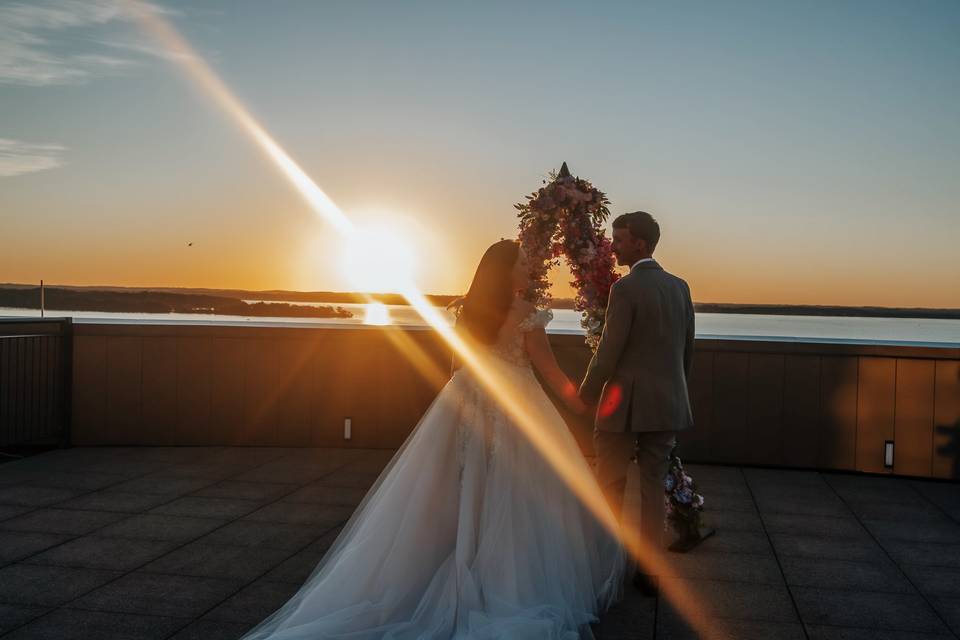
column 467, row 533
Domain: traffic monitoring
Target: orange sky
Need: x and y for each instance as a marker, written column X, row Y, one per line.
column 791, row 157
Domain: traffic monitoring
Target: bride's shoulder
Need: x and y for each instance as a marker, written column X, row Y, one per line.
column 530, row 317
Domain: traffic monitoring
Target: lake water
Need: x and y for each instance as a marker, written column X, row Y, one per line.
column 915, row 331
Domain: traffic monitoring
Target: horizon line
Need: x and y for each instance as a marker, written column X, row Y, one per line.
column 455, row 295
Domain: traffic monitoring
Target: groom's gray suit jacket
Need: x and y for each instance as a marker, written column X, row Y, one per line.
column 639, row 372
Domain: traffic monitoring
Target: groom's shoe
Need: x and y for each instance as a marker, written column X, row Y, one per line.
column 647, row 585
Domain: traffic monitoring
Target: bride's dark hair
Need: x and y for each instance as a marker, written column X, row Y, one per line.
column 485, row 307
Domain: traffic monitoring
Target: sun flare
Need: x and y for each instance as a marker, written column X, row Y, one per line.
column 378, row 259
column 376, row 313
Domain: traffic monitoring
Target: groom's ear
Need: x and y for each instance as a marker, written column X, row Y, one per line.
column 639, row 244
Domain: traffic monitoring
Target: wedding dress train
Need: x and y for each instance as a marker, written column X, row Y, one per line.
column 467, row 533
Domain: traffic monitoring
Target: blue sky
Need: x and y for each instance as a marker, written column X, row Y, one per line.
column 793, row 151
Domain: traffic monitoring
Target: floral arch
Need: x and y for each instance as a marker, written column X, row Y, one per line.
column 565, row 218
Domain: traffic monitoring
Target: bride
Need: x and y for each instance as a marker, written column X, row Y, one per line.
column 468, row 532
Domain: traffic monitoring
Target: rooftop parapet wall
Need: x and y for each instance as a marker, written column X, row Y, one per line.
column 790, row 404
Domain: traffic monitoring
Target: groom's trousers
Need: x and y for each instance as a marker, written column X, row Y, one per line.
column 614, row 451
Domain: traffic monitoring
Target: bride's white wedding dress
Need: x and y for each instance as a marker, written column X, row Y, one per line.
column 468, row 532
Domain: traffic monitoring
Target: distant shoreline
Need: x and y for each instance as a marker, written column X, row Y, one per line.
column 147, row 301
column 232, row 302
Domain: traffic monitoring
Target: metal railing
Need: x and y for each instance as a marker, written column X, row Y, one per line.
column 36, row 357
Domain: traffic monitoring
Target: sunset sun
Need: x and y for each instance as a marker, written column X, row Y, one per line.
column 378, row 259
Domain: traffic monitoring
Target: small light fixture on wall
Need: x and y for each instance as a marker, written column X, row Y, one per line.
column 347, row 428
column 888, row 454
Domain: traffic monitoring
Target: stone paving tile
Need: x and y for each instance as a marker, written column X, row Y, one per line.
column 728, row 502
column 945, row 495
column 818, row 632
column 73, row 624
column 919, row 512
column 812, row 502
column 203, row 507
column 720, row 479
column 48, row 586
column 633, row 618
column 737, row 567
column 800, row 492
column 355, row 479
column 150, row 526
column 724, row 521
column 113, row 500
column 27, row 496
column 820, row 526
column 75, row 480
column 10, row 477
column 949, row 609
column 203, row 470
column 848, row 585
column 844, row 574
column 162, row 484
column 261, row 492
column 8, row 511
column 16, row 615
column 254, row 602
column 217, row 561
column 860, row 550
column 325, row 455
column 890, row 611
column 928, row 553
column 736, row 600
column 673, row 627
column 784, row 478
column 887, row 530
column 865, row 488
column 62, row 521
column 16, row 545
column 213, row 630
column 934, row 580
column 319, row 515
column 738, row 542
column 321, row 464
column 280, row 473
column 161, row 595
column 73, row 456
column 249, row 456
column 130, row 469
column 101, row 552
column 324, row 494
column 275, row 535
column 297, row 568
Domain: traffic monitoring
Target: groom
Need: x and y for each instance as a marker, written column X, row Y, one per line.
column 638, row 377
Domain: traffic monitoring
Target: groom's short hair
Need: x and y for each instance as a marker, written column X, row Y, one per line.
column 641, row 225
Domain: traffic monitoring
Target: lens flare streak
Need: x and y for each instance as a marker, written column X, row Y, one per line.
column 581, row 484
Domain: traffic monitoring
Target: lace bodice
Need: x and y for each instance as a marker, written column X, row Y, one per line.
column 509, row 344
column 481, row 418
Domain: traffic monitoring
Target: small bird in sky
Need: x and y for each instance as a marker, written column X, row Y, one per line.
column 189, row 244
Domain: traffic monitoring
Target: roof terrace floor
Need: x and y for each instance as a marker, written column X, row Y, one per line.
column 162, row 542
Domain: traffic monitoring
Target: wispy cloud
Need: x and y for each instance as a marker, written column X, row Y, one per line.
column 145, row 48
column 32, row 36
column 17, row 158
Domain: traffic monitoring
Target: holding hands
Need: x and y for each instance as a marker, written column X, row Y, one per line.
column 572, row 399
